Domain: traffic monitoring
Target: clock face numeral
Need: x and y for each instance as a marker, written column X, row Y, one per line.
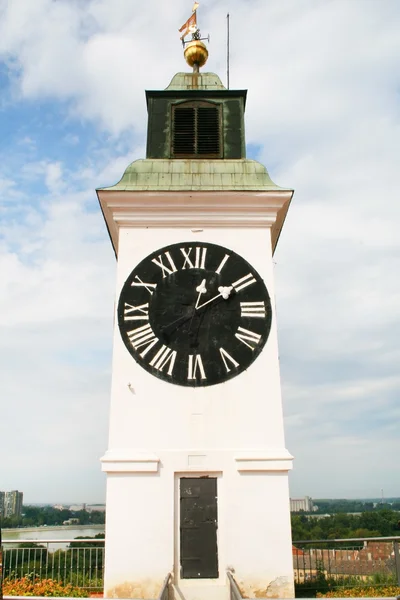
column 142, row 312
column 195, row 367
column 227, row 357
column 165, row 356
column 165, row 270
column 252, row 309
column 199, row 257
column 149, row 286
column 242, row 283
column 142, row 336
column 249, row 338
column 194, row 314
column 222, row 263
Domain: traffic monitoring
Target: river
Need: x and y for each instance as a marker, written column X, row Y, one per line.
column 43, row 534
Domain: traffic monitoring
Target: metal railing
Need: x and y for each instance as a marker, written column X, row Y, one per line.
column 165, row 590
column 319, row 565
column 327, row 564
column 78, row 562
column 234, row 591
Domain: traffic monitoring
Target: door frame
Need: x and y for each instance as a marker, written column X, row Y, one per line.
column 220, row 529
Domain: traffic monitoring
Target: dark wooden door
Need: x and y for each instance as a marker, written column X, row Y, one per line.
column 198, row 528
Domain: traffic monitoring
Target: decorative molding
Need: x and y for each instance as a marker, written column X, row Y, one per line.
column 121, row 461
column 196, row 460
column 264, row 461
column 192, row 210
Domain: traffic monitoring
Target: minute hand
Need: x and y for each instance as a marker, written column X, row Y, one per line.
column 224, row 292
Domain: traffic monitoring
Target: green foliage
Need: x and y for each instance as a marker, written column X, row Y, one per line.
column 377, row 523
column 78, row 565
column 362, row 592
column 368, row 524
column 37, row 516
column 333, row 506
column 98, row 536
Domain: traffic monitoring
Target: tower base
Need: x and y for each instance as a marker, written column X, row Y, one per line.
column 197, row 514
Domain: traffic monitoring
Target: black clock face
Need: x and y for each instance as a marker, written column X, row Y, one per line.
column 194, row 314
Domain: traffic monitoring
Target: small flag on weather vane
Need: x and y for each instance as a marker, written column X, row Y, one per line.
column 191, row 24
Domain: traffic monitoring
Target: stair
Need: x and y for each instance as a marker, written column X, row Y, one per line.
column 207, row 591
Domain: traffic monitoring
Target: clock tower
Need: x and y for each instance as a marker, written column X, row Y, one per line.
column 197, row 469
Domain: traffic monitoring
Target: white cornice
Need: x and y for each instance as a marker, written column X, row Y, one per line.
column 272, row 460
column 125, row 461
column 189, row 209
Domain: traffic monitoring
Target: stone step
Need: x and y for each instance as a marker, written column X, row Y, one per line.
column 205, row 591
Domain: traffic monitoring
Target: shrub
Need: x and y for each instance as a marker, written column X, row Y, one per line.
column 33, row 586
column 363, row 592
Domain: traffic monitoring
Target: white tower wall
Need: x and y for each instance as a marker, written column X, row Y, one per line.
column 233, row 431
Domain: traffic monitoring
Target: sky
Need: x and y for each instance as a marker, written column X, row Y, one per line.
column 323, row 115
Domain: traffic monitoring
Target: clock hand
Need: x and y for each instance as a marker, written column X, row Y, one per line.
column 171, row 327
column 224, row 292
column 194, row 335
column 202, row 290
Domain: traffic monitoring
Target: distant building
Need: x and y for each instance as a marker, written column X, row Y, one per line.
column 301, row 504
column 71, row 522
column 11, row 503
column 76, row 507
column 373, row 559
column 99, row 507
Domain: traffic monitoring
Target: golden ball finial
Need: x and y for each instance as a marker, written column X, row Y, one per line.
column 196, row 53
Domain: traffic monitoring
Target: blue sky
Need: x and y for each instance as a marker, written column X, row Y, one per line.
column 323, row 116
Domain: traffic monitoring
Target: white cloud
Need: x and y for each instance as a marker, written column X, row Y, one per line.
column 57, row 284
column 54, row 177
column 322, row 109
column 99, row 56
column 7, row 189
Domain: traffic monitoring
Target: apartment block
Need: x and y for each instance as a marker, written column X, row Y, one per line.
column 301, row 504
column 11, row 503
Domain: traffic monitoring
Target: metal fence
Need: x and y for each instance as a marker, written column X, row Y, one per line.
column 79, row 562
column 321, row 564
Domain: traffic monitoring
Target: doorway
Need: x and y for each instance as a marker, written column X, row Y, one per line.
column 198, row 528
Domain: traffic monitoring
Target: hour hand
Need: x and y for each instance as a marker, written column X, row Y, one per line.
column 201, row 289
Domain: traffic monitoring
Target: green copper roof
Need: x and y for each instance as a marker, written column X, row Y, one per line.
column 196, row 81
column 195, row 175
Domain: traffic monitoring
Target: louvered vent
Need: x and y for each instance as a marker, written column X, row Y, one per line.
column 196, row 132
column 184, row 131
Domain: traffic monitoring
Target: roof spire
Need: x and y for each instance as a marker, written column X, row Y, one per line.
column 195, row 52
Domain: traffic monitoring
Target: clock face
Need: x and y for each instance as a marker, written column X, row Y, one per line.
column 194, row 314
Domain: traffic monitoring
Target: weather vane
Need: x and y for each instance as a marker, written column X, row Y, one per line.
column 195, row 51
